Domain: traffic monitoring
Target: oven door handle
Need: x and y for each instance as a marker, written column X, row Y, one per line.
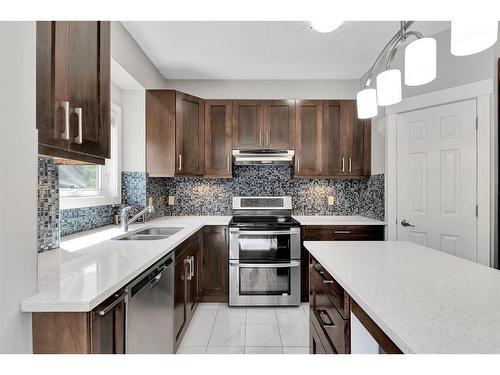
column 265, row 232
column 264, row 265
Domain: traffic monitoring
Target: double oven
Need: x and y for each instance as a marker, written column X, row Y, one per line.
column 264, row 253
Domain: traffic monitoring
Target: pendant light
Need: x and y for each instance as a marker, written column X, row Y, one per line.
column 470, row 37
column 389, row 87
column 420, row 62
column 367, row 103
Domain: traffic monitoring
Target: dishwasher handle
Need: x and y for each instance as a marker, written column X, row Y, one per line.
column 151, row 279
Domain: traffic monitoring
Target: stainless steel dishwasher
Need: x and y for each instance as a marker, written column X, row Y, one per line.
column 150, row 310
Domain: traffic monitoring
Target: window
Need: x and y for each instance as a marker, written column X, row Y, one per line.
column 94, row 185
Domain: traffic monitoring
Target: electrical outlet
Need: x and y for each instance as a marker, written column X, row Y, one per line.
column 171, row 200
column 330, row 200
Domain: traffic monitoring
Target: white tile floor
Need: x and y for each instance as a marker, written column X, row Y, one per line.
column 219, row 329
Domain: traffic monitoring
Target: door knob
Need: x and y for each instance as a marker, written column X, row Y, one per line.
column 405, row 223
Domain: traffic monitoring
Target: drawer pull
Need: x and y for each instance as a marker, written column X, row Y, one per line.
column 325, row 319
column 342, row 231
column 328, row 282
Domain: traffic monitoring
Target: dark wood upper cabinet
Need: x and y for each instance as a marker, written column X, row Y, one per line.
column 308, row 133
column 279, row 121
column 247, row 124
column 331, row 132
column 160, row 133
column 73, row 90
column 215, row 267
column 189, row 135
column 218, row 138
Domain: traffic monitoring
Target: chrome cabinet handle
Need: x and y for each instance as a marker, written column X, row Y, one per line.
column 328, row 282
column 180, row 162
column 227, row 163
column 188, row 262
column 343, row 164
column 322, row 314
column 263, row 232
column 192, row 266
column 350, row 165
column 79, row 137
column 107, row 309
column 341, row 231
column 260, row 137
column 65, row 134
column 268, row 139
column 264, row 265
column 405, row 223
column 298, row 164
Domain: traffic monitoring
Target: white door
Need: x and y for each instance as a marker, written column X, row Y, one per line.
column 437, row 178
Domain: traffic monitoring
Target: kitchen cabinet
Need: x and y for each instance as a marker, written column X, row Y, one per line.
column 247, row 124
column 329, row 311
column 175, row 134
column 73, row 105
column 308, row 142
column 334, row 233
column 189, row 135
column 215, row 266
column 278, row 124
column 100, row 331
column 218, row 138
column 263, row 124
column 331, row 142
column 186, row 285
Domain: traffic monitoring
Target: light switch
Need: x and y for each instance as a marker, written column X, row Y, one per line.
column 171, row 200
column 330, row 200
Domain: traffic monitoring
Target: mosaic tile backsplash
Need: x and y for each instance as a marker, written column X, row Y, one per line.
column 198, row 196
column 48, row 205
column 77, row 220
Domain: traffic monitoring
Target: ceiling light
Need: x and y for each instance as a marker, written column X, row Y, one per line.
column 367, row 103
column 420, row 62
column 326, row 25
column 469, row 37
column 389, row 87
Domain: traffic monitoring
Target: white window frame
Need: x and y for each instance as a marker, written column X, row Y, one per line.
column 110, row 175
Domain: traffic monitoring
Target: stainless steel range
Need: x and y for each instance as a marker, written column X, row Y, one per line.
column 264, row 253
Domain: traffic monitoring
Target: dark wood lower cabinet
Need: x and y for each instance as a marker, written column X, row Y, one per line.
column 186, row 285
column 100, row 331
column 333, row 233
column 214, row 264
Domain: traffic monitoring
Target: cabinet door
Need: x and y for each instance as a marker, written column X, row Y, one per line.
column 355, row 140
column 193, row 280
column 180, row 291
column 108, row 326
column 52, row 96
column 89, row 61
column 218, row 138
column 308, row 132
column 214, row 267
column 190, row 135
column 247, row 124
column 160, row 133
column 334, row 162
column 278, row 124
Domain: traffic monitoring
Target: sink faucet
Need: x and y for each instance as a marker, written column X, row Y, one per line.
column 124, row 220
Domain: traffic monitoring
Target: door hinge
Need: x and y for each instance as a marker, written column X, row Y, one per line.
column 477, row 211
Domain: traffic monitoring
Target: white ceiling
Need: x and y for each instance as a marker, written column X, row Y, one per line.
column 265, row 50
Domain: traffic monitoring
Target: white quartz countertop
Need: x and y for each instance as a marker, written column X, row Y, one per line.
column 425, row 300
column 90, row 267
column 337, row 220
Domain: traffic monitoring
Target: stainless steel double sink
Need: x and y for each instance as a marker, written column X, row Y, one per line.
column 149, row 234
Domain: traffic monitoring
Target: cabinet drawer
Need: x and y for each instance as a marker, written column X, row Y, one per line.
column 331, row 328
column 328, row 293
column 318, row 342
column 343, row 233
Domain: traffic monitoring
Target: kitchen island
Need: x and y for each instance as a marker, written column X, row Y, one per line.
column 424, row 300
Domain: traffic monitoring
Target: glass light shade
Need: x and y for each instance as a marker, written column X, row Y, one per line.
column 420, row 62
column 367, row 103
column 326, row 25
column 389, row 87
column 469, row 37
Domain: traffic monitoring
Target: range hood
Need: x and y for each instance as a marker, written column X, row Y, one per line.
column 263, row 157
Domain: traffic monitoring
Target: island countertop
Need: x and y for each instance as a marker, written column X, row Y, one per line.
column 425, row 300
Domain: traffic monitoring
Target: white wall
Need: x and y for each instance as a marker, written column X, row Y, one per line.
column 267, row 89
column 133, row 130
column 18, row 183
column 131, row 57
column 451, row 71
